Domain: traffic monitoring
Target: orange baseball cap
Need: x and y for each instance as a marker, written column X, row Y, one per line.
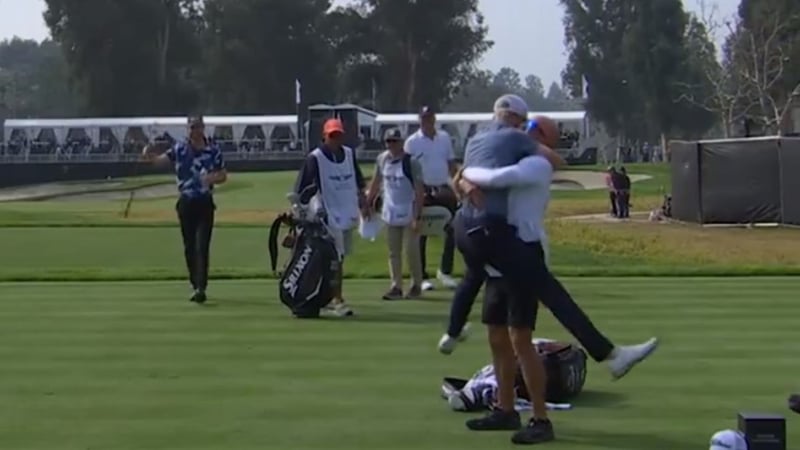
column 332, row 126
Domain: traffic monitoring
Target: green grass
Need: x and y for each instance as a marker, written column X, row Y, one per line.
column 252, row 199
column 90, row 240
column 134, row 365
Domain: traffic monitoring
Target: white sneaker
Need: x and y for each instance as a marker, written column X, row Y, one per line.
column 427, row 285
column 628, row 356
column 447, row 281
column 339, row 309
column 447, row 344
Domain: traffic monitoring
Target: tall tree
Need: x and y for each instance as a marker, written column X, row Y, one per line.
column 594, row 35
column 764, row 50
column 256, row 49
column 559, row 100
column 654, row 53
column 34, row 80
column 128, row 57
column 476, row 95
column 418, row 51
column 712, row 84
column 508, row 80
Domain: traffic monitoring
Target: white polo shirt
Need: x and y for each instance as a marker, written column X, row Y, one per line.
column 433, row 154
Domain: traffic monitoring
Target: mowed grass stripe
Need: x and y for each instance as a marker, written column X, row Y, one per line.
column 134, row 365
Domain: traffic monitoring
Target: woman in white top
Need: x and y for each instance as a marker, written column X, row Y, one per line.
column 398, row 181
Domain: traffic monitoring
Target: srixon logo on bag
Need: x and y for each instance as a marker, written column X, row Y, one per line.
column 297, row 270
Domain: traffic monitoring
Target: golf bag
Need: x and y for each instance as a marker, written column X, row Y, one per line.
column 566, row 374
column 565, row 365
column 308, row 280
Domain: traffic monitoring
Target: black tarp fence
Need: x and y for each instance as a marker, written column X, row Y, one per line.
column 736, row 181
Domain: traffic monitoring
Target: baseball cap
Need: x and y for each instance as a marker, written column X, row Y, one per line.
column 511, row 103
column 332, row 126
column 728, row 440
column 196, row 120
column 393, row 134
column 426, row 111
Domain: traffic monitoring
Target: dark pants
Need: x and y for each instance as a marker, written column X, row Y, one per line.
column 551, row 293
column 448, row 253
column 196, row 217
column 491, row 241
column 623, row 204
column 612, row 197
column 439, row 196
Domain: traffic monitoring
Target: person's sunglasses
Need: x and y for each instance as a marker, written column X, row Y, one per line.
column 389, row 141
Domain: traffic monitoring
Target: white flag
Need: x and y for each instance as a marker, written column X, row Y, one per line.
column 297, row 98
column 585, row 84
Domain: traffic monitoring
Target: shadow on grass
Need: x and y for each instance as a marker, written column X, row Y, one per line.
column 622, row 440
column 599, row 399
column 399, row 317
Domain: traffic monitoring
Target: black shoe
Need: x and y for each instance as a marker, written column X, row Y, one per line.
column 496, row 420
column 199, row 297
column 394, row 293
column 536, row 432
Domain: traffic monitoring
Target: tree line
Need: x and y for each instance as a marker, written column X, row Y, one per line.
column 641, row 68
column 650, row 68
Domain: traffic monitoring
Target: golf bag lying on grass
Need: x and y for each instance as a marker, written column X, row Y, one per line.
column 308, row 280
column 566, row 374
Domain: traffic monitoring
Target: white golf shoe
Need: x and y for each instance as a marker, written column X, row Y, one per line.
column 627, row 357
column 447, row 344
column 447, row 281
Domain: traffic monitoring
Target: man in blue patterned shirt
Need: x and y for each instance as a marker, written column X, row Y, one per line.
column 198, row 166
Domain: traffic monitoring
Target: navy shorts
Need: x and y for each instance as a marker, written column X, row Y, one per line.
column 510, row 300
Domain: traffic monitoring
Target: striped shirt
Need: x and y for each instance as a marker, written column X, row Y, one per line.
column 191, row 164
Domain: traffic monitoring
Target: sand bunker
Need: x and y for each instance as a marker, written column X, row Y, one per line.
column 83, row 191
column 584, row 179
column 48, row 190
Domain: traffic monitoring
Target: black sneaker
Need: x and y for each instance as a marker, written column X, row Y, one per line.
column 199, row 297
column 394, row 293
column 536, row 432
column 496, row 420
column 414, row 292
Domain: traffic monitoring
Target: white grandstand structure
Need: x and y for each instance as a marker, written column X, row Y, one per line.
column 240, row 137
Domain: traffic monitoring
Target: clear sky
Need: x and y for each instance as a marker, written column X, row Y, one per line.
column 528, row 34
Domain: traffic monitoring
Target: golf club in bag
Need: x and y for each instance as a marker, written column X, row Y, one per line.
column 308, row 280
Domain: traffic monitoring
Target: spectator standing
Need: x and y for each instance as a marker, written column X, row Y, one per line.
column 624, row 194
column 433, row 149
column 398, row 181
column 611, row 174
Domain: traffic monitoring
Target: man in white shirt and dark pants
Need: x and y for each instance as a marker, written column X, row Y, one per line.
column 433, row 149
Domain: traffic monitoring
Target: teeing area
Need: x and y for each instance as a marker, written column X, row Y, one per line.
column 101, row 348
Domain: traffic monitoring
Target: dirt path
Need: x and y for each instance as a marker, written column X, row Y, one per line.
column 642, row 217
column 585, row 179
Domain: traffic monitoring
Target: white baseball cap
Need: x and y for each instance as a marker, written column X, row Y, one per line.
column 511, row 103
column 728, row 440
